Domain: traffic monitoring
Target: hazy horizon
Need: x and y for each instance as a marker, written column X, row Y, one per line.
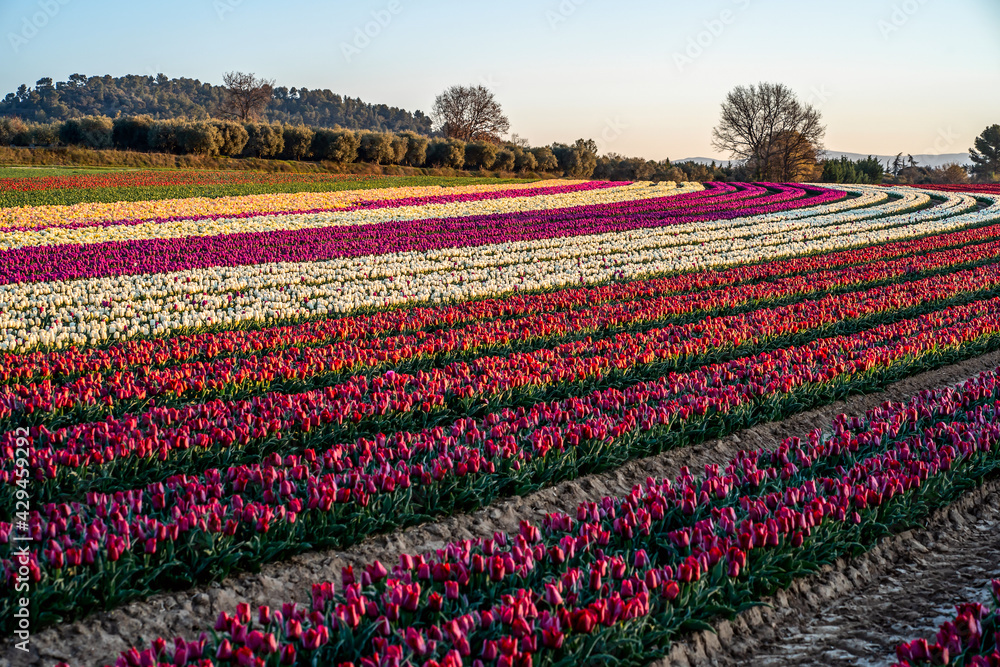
column 641, row 78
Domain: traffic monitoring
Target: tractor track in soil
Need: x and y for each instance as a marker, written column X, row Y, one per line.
column 98, row 638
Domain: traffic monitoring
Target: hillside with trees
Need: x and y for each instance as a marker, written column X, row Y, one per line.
column 161, row 97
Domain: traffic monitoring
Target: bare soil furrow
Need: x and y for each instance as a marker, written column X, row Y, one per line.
column 855, row 612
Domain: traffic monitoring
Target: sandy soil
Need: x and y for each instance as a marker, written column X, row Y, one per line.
column 97, row 639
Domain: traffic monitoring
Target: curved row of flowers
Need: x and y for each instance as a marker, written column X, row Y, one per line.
column 627, row 575
column 186, row 529
column 80, row 312
column 74, row 457
column 97, row 394
column 496, row 202
column 114, row 258
column 62, row 366
column 29, row 217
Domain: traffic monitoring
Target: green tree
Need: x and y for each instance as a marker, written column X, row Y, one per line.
column 545, row 159
column 505, row 160
column 578, row 160
column 446, row 153
column 985, row 155
column 480, row 155
column 339, row 146
column 298, row 142
column 376, row 148
column 264, row 140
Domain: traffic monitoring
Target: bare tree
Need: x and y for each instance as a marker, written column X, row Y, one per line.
column 470, row 113
column 246, row 95
column 768, row 128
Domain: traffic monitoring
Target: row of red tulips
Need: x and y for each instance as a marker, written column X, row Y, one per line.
column 98, row 394
column 116, row 546
column 101, row 455
column 624, row 577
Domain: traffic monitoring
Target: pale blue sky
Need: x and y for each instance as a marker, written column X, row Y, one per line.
column 643, row 77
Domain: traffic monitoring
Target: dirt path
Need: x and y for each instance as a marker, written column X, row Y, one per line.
column 99, row 638
column 856, row 612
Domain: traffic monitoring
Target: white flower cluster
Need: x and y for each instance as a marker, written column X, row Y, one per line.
column 91, row 311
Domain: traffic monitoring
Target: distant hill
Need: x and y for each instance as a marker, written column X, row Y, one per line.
column 702, row 160
column 922, row 160
column 162, row 97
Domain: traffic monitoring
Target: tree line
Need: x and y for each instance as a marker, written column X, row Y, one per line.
column 216, row 137
column 165, row 98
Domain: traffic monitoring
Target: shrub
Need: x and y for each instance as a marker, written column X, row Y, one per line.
column 233, row 137
column 264, row 140
column 11, row 128
column 446, row 153
column 199, row 138
column 41, row 134
column 416, row 149
column 376, row 148
column 298, row 142
column 400, row 144
column 131, row 133
column 524, row 160
column 504, row 161
column 335, row 145
column 545, row 159
column 164, row 136
column 480, row 155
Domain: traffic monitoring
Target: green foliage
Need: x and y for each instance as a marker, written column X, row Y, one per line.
column 578, row 160
column 88, row 131
column 505, row 160
column 265, row 140
column 199, row 138
column 986, row 155
column 446, row 153
column 163, row 136
column 416, row 149
column 131, row 133
column 164, row 98
column 376, row 148
column 480, row 155
column 524, row 160
column 233, row 137
column 339, row 146
column 298, row 142
column 866, row 171
column 545, row 159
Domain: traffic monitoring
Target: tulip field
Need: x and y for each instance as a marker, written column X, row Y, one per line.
column 196, row 383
